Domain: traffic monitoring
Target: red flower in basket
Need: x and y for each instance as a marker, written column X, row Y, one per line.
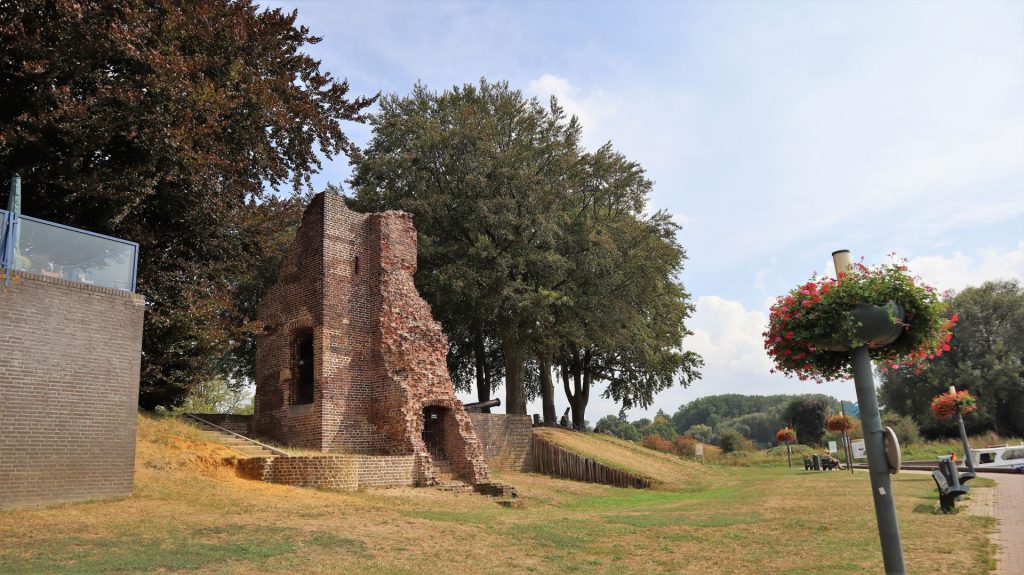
column 812, row 329
column 785, row 434
column 840, row 422
column 949, row 404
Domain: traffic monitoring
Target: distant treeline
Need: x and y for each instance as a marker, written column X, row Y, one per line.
column 718, row 419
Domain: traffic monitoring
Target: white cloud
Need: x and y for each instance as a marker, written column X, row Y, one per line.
column 593, row 109
column 958, row 271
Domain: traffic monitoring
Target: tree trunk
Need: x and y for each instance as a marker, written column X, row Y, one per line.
column 515, row 393
column 547, row 388
column 575, row 390
column 483, row 379
column 582, row 395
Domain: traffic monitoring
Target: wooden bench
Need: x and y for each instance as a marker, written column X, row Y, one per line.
column 947, row 493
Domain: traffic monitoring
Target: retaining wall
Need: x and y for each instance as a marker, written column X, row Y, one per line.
column 506, row 440
column 335, row 472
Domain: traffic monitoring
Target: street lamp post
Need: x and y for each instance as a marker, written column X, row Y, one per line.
column 874, row 443
column 963, row 433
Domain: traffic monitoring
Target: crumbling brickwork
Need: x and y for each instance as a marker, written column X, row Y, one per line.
column 69, row 388
column 378, row 357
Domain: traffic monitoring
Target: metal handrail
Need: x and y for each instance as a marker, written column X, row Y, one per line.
column 6, row 247
column 273, row 450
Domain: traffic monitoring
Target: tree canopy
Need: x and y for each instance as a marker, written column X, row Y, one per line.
column 756, row 417
column 531, row 247
column 986, row 357
column 167, row 124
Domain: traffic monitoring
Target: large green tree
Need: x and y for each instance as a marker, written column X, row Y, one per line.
column 808, row 417
column 484, row 171
column 986, row 357
column 622, row 321
column 531, row 250
column 166, row 123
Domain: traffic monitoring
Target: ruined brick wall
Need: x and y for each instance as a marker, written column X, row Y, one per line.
column 379, row 355
column 294, row 304
column 506, row 439
column 69, row 384
column 413, row 349
column 334, row 472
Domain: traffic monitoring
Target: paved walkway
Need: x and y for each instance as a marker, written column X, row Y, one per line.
column 1005, row 502
column 1009, row 514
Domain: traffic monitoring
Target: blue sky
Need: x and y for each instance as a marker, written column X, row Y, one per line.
column 775, row 132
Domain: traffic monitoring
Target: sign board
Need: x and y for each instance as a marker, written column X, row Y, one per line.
column 851, row 408
column 832, row 447
column 698, row 450
column 857, row 446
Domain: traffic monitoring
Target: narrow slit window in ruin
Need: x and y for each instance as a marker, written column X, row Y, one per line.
column 303, row 368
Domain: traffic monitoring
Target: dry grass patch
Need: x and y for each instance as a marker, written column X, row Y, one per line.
column 666, row 470
column 193, row 516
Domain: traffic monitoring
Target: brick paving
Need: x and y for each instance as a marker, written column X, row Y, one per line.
column 1009, row 514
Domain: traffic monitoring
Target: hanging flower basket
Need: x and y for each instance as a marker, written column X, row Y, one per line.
column 812, row 328
column 784, row 435
column 949, row 404
column 839, row 422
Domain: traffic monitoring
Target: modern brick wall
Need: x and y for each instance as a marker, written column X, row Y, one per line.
column 379, row 355
column 507, row 440
column 335, row 472
column 69, row 384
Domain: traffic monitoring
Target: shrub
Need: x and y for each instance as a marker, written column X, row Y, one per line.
column 686, row 445
column 798, row 451
column 731, row 440
column 905, row 427
column 658, row 443
column 701, row 432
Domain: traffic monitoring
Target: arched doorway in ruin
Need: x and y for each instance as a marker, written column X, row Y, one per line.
column 435, row 420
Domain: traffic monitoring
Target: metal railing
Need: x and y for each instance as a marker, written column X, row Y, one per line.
column 50, row 249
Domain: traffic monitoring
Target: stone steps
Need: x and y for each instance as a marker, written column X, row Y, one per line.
column 244, row 446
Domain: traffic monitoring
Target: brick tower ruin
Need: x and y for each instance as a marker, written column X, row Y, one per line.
column 351, row 360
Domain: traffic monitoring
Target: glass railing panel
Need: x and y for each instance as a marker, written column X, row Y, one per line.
column 3, row 234
column 61, row 252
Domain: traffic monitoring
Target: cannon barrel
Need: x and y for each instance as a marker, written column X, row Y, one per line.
column 479, row 406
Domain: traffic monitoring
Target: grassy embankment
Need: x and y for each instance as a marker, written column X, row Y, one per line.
column 191, row 514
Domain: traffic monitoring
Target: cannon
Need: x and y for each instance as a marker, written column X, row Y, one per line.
column 482, row 406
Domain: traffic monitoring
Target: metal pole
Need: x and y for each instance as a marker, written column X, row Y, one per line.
column 789, row 455
column 846, row 439
column 14, row 208
column 963, row 438
column 874, row 443
column 878, row 465
column 963, row 433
